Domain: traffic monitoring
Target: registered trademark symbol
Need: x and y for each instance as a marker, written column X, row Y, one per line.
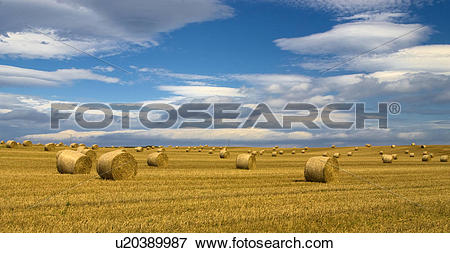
column 395, row 108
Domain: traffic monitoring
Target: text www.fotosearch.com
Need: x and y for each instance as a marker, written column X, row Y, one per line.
column 245, row 243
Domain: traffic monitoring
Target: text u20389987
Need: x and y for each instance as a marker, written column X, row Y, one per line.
column 150, row 242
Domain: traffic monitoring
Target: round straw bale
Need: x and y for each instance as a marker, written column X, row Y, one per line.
column 254, row 153
column 387, row 158
column 274, row 153
column 261, row 152
column 73, row 162
column 423, row 146
column 117, row 165
column 368, row 145
column 60, row 145
column 303, row 151
column 321, row 169
column 274, row 149
column 393, row 146
column 246, row 162
column 333, row 146
column 281, row 152
column 49, row 147
column 407, row 151
column 431, row 155
column 411, row 154
column 336, row 155
column 89, row 153
column 187, row 150
column 11, row 144
column 249, row 151
column 293, row 152
column 210, row 152
column 224, row 153
column 176, row 147
column 394, row 156
column 74, row 145
column 349, row 154
column 306, row 148
column 2, row 142
column 413, row 144
column 158, row 159
column 95, row 146
column 79, row 149
column 213, row 148
column 57, row 155
column 381, row 152
column 200, row 150
column 325, row 154
column 425, row 153
column 426, row 158
column 356, row 148
column 444, row 158
column 27, row 143
column 139, row 149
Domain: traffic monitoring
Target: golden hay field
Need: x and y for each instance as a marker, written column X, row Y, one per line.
column 199, row 192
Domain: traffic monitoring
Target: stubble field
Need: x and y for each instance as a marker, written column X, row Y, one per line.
column 199, row 192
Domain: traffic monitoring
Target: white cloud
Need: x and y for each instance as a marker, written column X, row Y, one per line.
column 5, row 111
column 203, row 135
column 16, row 76
column 412, row 135
column 99, row 22
column 167, row 73
column 357, row 6
column 356, row 37
column 104, row 68
column 36, row 45
column 202, row 91
column 427, row 58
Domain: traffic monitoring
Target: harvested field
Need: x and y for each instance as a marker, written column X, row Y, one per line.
column 203, row 193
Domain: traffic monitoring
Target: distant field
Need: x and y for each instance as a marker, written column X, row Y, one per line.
column 202, row 193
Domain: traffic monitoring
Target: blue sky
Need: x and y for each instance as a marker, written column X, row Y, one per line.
column 225, row 51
